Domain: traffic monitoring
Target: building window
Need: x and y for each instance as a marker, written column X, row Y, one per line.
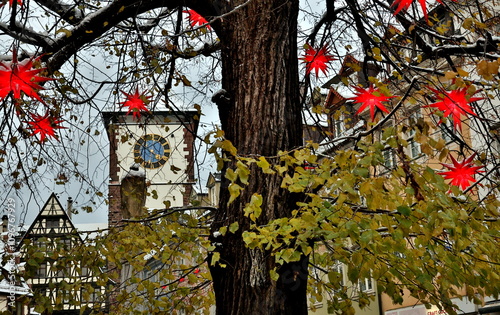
column 57, row 272
column 85, row 272
column 339, row 126
column 446, row 128
column 415, row 150
column 366, row 285
column 389, row 158
column 42, row 271
column 52, row 223
column 67, row 243
column 90, row 296
column 338, row 268
column 414, row 146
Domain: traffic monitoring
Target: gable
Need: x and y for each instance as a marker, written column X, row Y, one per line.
column 52, row 221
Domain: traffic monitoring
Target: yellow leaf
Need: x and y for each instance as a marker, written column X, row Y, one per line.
column 65, row 31
column 264, row 165
column 487, row 69
column 462, row 72
column 448, row 75
column 234, row 192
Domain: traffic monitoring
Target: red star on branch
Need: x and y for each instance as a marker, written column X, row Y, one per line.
column 11, row 3
column 405, row 4
column 17, row 77
column 195, row 19
column 136, row 103
column 372, row 98
column 317, row 59
column 45, row 125
column 461, row 174
column 19, row 3
column 454, row 103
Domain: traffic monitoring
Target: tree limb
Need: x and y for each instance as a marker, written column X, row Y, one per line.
column 69, row 13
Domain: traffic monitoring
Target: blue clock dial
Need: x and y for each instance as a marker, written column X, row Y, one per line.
column 152, row 151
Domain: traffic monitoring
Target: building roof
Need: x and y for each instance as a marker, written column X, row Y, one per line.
column 52, row 210
column 186, row 116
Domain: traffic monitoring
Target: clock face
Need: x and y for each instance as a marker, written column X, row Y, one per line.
column 152, row 151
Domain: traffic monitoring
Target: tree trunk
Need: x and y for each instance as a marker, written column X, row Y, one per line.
column 261, row 116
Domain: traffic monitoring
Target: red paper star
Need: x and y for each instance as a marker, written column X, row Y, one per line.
column 19, row 3
column 317, row 59
column 45, row 126
column 136, row 103
column 405, row 4
column 17, row 77
column 11, row 3
column 461, row 174
column 195, row 19
column 454, row 103
column 372, row 98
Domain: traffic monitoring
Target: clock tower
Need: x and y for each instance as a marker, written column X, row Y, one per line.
column 162, row 145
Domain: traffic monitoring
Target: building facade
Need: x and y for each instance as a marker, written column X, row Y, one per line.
column 66, row 288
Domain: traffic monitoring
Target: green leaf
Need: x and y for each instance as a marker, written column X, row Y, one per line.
column 223, row 230
column 234, row 227
column 215, row 258
column 404, row 210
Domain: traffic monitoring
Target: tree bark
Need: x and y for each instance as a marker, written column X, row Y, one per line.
column 261, row 116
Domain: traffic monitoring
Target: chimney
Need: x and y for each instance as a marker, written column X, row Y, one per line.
column 69, row 207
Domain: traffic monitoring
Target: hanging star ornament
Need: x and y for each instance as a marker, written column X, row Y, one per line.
column 317, row 59
column 371, row 98
column 454, row 103
column 195, row 19
column 403, row 5
column 45, row 126
column 11, row 3
column 17, row 77
column 136, row 103
column 462, row 173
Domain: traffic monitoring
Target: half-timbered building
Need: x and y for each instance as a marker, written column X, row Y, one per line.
column 53, row 234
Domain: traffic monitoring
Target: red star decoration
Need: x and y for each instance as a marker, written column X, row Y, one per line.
column 195, row 19
column 45, row 125
column 461, row 174
column 136, row 103
column 17, row 77
column 454, row 103
column 196, row 271
column 372, row 98
column 19, row 3
column 11, row 3
column 182, row 279
column 405, row 4
column 317, row 59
